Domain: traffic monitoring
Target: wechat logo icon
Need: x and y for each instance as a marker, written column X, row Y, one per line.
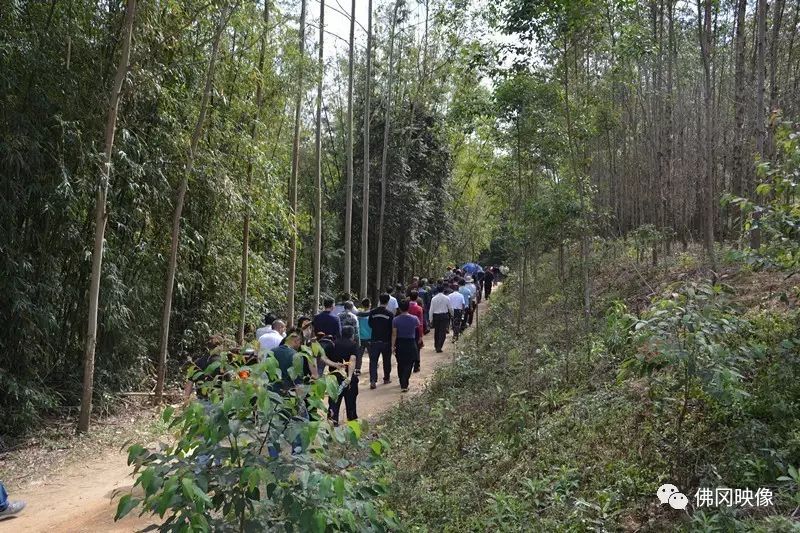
column 670, row 494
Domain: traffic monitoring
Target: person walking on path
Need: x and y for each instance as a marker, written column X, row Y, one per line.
column 364, row 331
column 345, row 353
column 478, row 278
column 467, row 294
column 473, row 291
column 348, row 318
column 488, row 282
column 289, row 356
column 425, row 296
column 415, row 309
column 380, row 322
column 326, row 322
column 439, row 314
column 458, row 303
column 405, row 338
column 391, row 306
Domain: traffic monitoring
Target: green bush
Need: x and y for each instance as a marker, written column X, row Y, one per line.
column 220, row 473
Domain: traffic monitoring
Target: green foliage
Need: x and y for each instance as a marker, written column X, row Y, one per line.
column 532, row 432
column 776, row 217
column 249, row 459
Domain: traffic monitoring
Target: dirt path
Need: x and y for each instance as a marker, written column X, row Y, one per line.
column 81, row 497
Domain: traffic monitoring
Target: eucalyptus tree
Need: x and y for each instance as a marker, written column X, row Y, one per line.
column 172, row 264
column 348, row 217
column 296, row 167
column 365, row 193
column 317, row 252
column 100, row 217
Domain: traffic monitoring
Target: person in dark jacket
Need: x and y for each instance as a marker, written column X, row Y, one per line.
column 345, row 352
column 380, row 321
column 326, row 322
column 488, row 282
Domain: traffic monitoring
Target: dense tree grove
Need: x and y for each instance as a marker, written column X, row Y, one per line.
column 205, row 119
column 654, row 115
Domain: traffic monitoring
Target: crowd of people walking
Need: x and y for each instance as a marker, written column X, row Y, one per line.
column 338, row 336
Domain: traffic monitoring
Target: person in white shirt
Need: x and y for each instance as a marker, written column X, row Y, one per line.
column 271, row 339
column 439, row 314
column 458, row 303
column 393, row 304
column 269, row 318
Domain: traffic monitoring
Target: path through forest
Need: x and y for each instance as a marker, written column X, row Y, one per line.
column 80, row 498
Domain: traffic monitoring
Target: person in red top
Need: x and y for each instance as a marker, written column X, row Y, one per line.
column 415, row 309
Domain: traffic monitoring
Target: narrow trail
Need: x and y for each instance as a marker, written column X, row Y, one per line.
column 81, row 498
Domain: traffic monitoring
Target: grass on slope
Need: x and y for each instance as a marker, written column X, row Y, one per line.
column 550, row 429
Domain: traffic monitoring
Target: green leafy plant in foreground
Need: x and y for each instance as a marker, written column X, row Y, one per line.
column 247, row 459
column 687, row 346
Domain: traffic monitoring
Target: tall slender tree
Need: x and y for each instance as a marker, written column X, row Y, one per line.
column 296, row 166
column 172, row 265
column 248, row 184
column 100, row 217
column 706, row 36
column 318, row 154
column 365, row 192
column 348, row 216
column 387, row 115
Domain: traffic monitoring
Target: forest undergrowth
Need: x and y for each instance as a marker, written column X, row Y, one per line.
column 685, row 376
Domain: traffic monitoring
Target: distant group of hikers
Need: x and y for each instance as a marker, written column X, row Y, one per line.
column 337, row 337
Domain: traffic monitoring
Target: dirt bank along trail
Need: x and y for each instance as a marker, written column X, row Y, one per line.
column 82, row 497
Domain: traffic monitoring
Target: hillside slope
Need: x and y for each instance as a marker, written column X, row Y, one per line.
column 686, row 377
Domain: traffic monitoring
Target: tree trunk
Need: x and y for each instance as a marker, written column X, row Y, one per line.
column 761, row 45
column 578, row 171
column 705, row 33
column 296, row 168
column 253, row 136
column 100, row 219
column 348, row 216
column 774, row 45
column 387, row 98
column 365, row 193
column 172, row 266
column 739, row 186
column 670, row 118
column 318, row 150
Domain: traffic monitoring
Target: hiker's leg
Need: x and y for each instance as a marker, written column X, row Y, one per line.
column 350, row 397
column 3, row 497
column 374, row 353
column 333, row 409
column 386, row 356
